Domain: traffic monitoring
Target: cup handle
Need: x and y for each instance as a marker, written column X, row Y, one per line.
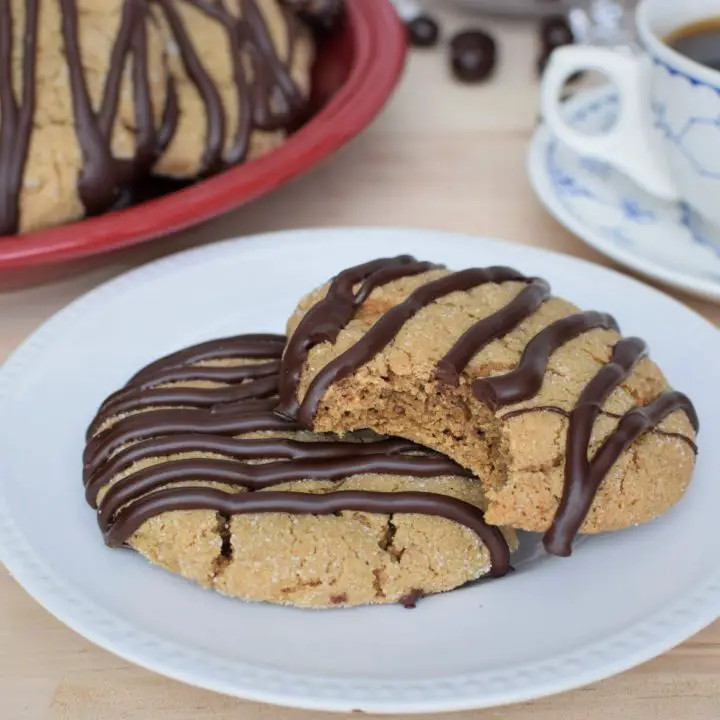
column 628, row 145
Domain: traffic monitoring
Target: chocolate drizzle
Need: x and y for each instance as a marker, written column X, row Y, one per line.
column 211, row 160
column 583, row 476
column 15, row 122
column 491, row 328
column 276, row 448
column 171, row 422
column 325, row 319
column 103, row 177
column 142, row 390
column 387, row 327
column 261, row 346
column 526, row 380
column 208, row 424
column 202, row 498
column 616, row 416
column 267, row 96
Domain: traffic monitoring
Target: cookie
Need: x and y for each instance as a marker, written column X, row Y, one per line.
column 570, row 427
column 83, row 89
column 241, row 71
column 189, row 465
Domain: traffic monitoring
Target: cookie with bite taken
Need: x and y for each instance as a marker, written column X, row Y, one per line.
column 569, row 426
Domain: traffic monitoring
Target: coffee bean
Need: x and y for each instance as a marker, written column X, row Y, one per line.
column 554, row 33
column 423, row 31
column 324, row 16
column 472, row 56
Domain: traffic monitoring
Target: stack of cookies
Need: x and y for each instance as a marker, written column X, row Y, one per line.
column 98, row 95
column 390, row 447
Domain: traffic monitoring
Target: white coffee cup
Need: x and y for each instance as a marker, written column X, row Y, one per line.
column 667, row 137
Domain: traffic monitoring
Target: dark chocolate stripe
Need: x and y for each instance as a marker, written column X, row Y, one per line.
column 15, row 123
column 211, row 373
column 257, row 407
column 491, row 328
column 130, row 518
column 267, row 96
column 147, row 142
column 240, row 147
column 211, row 160
column 264, row 475
column 324, row 320
column 139, row 392
column 220, row 374
column 579, row 494
column 526, row 380
column 275, row 99
column 170, row 118
column 185, row 397
column 617, row 416
column 8, row 119
column 243, row 347
column 154, row 423
column 96, row 185
column 239, row 449
column 121, row 47
column 250, row 405
column 584, row 476
column 103, row 176
column 387, row 327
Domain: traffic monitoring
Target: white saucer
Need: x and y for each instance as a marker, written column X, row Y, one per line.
column 516, row 8
column 552, row 625
column 664, row 241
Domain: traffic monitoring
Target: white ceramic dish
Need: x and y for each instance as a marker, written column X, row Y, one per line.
column 552, row 625
column 663, row 240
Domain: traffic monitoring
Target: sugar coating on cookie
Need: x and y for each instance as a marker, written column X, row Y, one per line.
column 570, row 427
column 189, row 465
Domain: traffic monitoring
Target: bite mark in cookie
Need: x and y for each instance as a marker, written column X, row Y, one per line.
column 399, row 347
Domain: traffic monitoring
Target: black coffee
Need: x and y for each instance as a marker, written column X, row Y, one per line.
column 699, row 41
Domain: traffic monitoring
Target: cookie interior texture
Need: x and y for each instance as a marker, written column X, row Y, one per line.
column 436, row 374
column 196, row 430
column 97, row 95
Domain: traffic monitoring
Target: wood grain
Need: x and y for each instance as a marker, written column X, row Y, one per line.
column 440, row 156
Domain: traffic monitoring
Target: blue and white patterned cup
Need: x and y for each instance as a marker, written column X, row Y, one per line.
column 667, row 137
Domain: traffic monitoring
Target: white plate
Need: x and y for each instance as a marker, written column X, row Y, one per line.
column 662, row 240
column 552, row 625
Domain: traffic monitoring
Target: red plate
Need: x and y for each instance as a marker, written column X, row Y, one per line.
column 356, row 73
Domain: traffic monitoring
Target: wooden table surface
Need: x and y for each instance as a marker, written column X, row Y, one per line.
column 441, row 156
